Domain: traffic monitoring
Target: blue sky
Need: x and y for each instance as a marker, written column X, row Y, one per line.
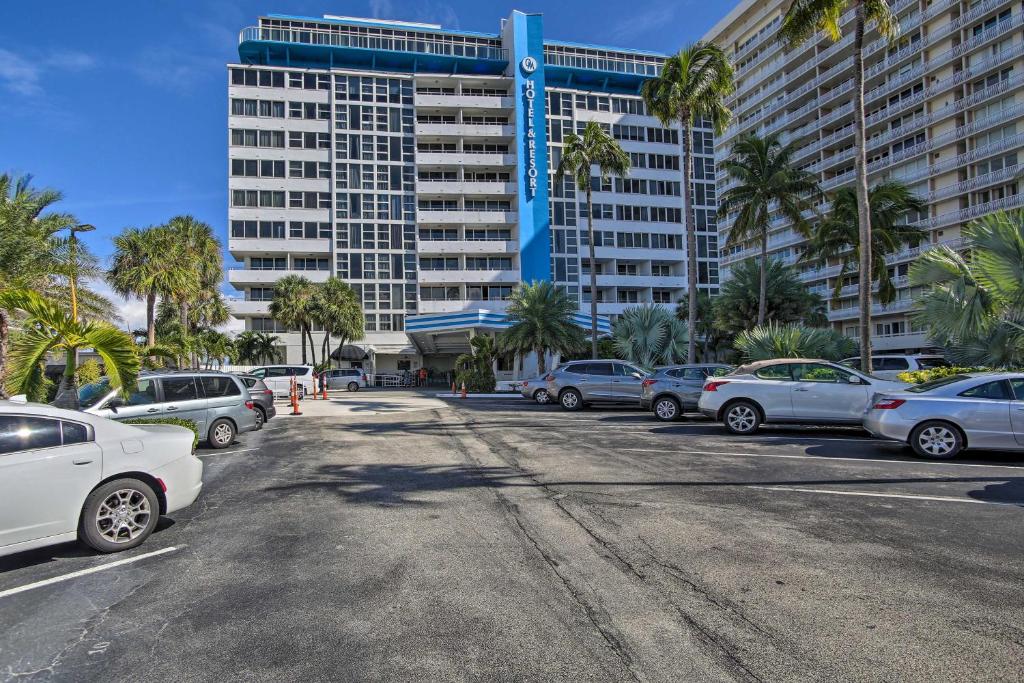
column 124, row 108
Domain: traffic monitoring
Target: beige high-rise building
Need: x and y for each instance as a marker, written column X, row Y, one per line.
column 944, row 115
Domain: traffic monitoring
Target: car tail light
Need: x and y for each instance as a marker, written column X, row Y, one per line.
column 888, row 403
column 250, row 405
column 549, row 377
column 647, row 382
column 713, row 386
column 268, row 392
column 163, row 486
column 525, row 384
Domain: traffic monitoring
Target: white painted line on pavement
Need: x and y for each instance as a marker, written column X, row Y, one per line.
column 906, row 496
column 824, row 458
column 84, row 572
column 240, row 450
column 859, row 439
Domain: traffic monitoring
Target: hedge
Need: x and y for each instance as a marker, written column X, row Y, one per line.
column 177, row 421
column 921, row 376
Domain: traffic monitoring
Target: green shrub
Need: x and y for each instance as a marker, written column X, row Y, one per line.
column 177, row 421
column 88, row 372
column 922, row 376
column 478, row 380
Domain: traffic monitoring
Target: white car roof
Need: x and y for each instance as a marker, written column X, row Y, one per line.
column 109, row 427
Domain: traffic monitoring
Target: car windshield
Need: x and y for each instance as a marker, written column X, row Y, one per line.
column 936, row 383
column 92, row 394
column 931, row 363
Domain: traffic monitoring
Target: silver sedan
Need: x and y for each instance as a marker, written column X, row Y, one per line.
column 939, row 419
column 536, row 389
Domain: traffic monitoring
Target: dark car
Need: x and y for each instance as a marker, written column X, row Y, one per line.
column 262, row 398
column 675, row 389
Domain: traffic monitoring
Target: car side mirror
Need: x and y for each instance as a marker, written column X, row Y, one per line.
column 636, row 375
column 854, row 379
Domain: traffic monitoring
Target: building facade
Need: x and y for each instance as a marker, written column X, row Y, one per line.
column 944, row 108
column 417, row 164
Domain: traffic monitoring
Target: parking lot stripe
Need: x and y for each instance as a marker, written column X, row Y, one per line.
column 907, row 496
column 83, row 572
column 858, row 439
column 240, row 450
column 825, row 457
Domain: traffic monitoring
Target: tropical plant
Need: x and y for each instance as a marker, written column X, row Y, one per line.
column 836, row 237
column 335, row 307
column 974, row 305
column 149, row 263
column 253, row 348
column 88, row 372
column 49, row 329
column 649, row 335
column 806, row 18
column 774, row 340
column 542, row 322
column 787, row 299
column 202, row 249
column 692, row 85
column 476, row 369
column 767, row 182
column 291, row 306
column 594, row 146
column 214, row 347
column 922, row 376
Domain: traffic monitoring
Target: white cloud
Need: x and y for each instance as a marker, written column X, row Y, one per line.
column 381, row 9
column 132, row 311
column 24, row 76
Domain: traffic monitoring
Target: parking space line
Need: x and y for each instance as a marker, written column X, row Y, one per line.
column 240, row 450
column 858, row 439
column 825, row 458
column 906, row 496
column 83, row 572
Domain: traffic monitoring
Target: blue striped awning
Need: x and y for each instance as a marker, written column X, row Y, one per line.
column 497, row 320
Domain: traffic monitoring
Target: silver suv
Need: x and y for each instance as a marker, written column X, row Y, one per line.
column 218, row 403
column 581, row 382
column 673, row 390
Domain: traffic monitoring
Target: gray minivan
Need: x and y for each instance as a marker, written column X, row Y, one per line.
column 217, row 402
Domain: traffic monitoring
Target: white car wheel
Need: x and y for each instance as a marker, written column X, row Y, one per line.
column 119, row 515
column 542, row 397
column 666, row 409
column 742, row 418
column 571, row 399
column 936, row 440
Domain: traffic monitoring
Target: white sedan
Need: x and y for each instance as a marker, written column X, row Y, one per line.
column 67, row 475
column 794, row 390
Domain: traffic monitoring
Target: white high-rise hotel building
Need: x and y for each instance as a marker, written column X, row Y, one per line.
column 945, row 115
column 417, row 164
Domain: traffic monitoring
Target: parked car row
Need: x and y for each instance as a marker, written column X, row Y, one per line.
column 938, row 419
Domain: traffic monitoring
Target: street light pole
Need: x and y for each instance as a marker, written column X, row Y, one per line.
column 73, row 272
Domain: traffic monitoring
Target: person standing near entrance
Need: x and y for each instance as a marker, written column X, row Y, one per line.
column 423, row 377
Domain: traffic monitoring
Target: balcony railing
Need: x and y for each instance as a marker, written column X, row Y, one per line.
column 600, row 63
column 425, row 46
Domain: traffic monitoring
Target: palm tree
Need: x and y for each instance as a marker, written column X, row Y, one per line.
column 649, row 335
column 974, row 305
column 774, row 340
column 47, row 329
column 255, row 347
column 200, row 246
column 594, row 147
column 291, row 305
column 788, row 300
column 215, row 346
column 693, row 85
column 768, row 182
column 837, row 237
column 149, row 263
column 806, row 18
column 335, row 306
column 542, row 322
column 476, row 369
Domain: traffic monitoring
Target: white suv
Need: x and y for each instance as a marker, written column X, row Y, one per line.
column 278, row 378
column 888, row 366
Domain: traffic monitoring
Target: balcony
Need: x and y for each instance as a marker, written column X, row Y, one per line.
column 876, row 309
column 636, row 281
column 447, row 277
column 239, row 246
column 636, row 254
column 452, row 247
column 241, row 308
column 466, row 217
column 459, row 305
column 465, row 130
column 458, row 187
column 464, row 159
column 463, row 101
column 244, row 276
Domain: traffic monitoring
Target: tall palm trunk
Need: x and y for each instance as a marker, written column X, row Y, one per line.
column 312, row 346
column 4, row 338
column 762, row 297
column 67, row 391
column 183, row 310
column 593, row 273
column 541, row 365
column 151, row 318
column 323, row 347
column 302, row 336
column 863, row 209
column 691, row 240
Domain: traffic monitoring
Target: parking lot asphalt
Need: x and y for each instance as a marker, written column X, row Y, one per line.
column 395, row 536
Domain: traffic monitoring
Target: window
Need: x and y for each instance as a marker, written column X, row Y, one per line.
column 73, row 433
column 215, row 387
column 1018, row 388
column 179, row 389
column 775, row 372
column 716, row 372
column 899, row 364
column 21, row 433
column 998, row 391
column 143, row 394
column 814, row 372
column 597, row 369
column 623, row 370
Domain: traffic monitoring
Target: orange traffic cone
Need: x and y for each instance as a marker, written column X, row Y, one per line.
column 316, row 395
column 453, row 388
column 463, row 390
column 324, row 389
column 295, row 399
